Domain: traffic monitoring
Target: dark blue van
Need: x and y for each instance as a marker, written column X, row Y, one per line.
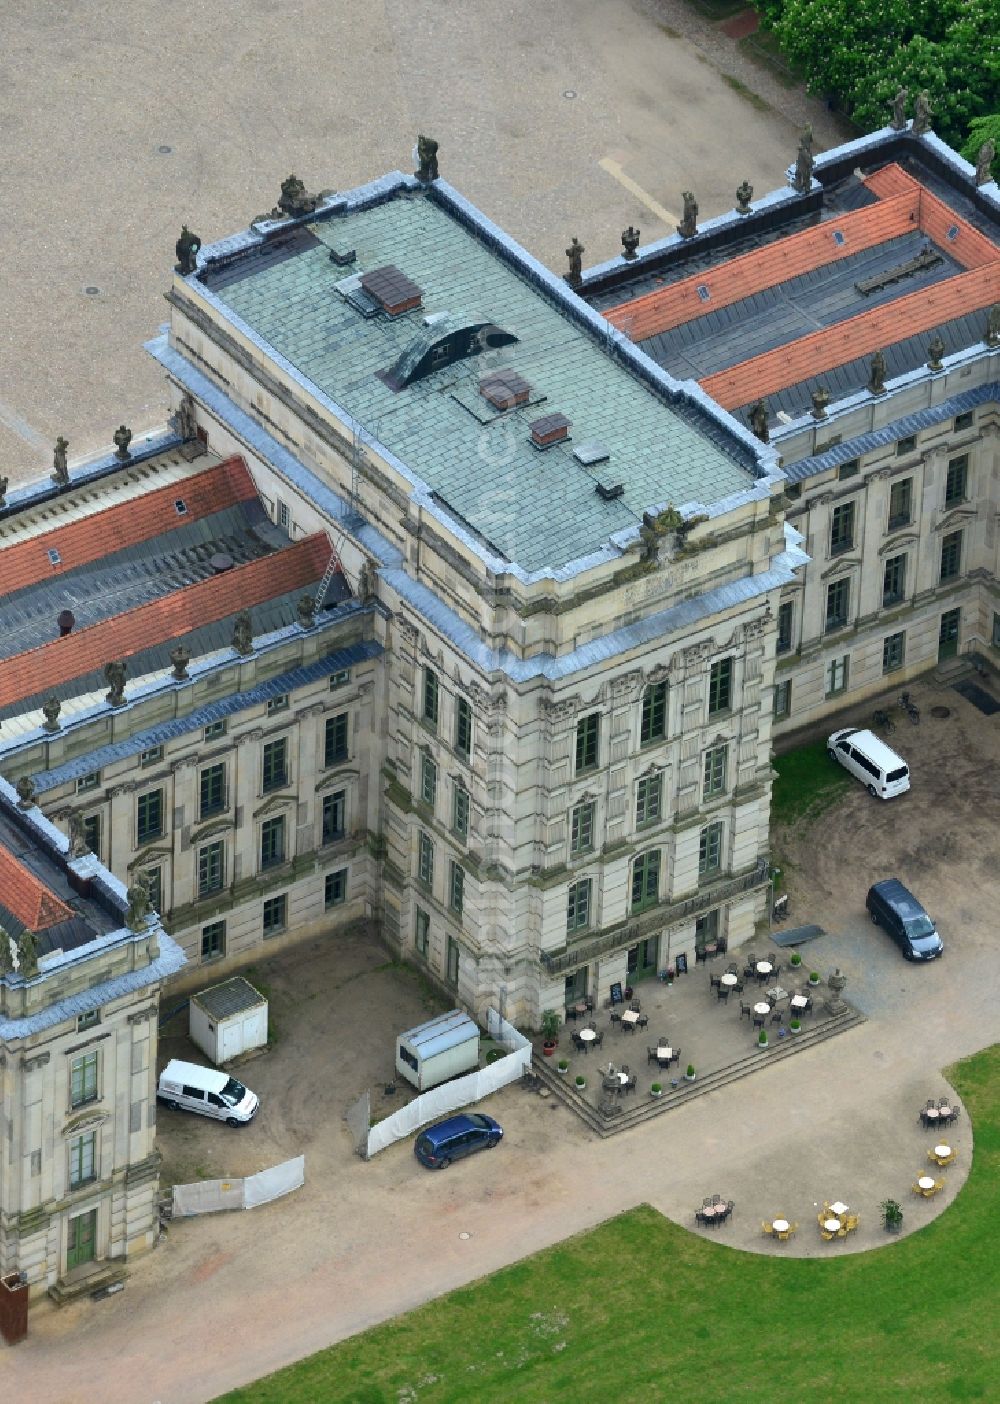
column 894, row 907
column 450, row 1140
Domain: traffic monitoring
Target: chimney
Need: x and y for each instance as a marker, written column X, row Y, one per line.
column 220, row 563
column 550, row 429
column 65, row 619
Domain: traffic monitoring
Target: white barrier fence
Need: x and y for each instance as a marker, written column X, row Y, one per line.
column 209, row 1196
column 459, row 1092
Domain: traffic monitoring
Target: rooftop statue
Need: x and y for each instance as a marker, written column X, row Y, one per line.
column 744, row 194
column 804, row 162
column 575, row 254
column 876, row 378
column 27, row 954
column 984, row 162
column 138, row 905
column 3, row 491
column 921, row 114
column 993, row 325
column 243, row 632
column 688, row 226
column 186, row 249
column 934, row 353
column 758, row 421
column 25, row 788
column 427, row 158
column 114, row 676
column 630, row 242
column 60, row 470
column 898, row 120
column 77, row 835
column 123, row 437
column 51, row 710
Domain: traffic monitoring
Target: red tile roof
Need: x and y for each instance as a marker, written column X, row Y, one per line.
column 765, row 268
column 859, row 336
column 935, row 218
column 26, row 897
column 85, row 650
column 25, row 563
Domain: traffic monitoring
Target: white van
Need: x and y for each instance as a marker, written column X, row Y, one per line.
column 877, row 766
column 187, row 1087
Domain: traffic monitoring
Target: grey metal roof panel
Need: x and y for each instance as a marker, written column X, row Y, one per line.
column 230, row 997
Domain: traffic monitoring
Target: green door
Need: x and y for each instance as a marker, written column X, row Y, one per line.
column 576, row 986
column 948, row 634
column 82, row 1240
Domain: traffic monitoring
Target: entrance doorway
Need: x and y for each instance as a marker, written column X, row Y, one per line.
column 82, row 1246
column 576, row 986
column 642, row 959
column 706, row 933
column 948, row 634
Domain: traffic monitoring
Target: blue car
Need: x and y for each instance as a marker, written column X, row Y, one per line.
column 459, row 1136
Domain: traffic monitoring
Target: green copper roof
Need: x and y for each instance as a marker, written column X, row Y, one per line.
column 536, row 508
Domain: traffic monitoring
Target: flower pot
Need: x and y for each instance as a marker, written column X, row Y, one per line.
column 762, row 1046
column 656, row 1091
column 814, row 980
column 690, row 1077
column 795, row 1028
column 562, row 1066
column 581, row 1083
column 892, row 1225
column 549, row 1047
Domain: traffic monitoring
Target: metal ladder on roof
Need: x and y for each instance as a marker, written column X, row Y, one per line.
column 332, row 566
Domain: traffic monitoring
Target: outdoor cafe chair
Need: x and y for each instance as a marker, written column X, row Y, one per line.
column 624, row 1068
column 777, row 1016
column 709, row 1199
column 758, row 1019
column 629, row 1027
column 632, row 1083
column 616, row 1016
column 722, row 994
column 853, row 1223
column 642, row 1022
column 713, row 982
column 599, row 1040
column 746, row 1009
column 776, row 968
column 942, row 1160
column 785, row 1234
column 635, row 1007
column 767, row 1229
column 733, row 968
column 651, row 1055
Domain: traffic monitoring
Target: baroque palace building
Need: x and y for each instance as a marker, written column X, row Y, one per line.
column 574, row 550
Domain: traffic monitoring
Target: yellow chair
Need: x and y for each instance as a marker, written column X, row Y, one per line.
column 918, row 1189
column 786, row 1234
column 853, row 1222
column 766, row 1229
column 826, row 1235
column 942, row 1160
column 938, row 1185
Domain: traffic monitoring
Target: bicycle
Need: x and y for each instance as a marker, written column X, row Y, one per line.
column 882, row 718
column 910, row 708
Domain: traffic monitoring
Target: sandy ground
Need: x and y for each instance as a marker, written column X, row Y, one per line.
column 120, row 122
column 362, row 1242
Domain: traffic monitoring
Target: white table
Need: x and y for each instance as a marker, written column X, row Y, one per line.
column 630, row 1017
column 764, row 967
column 799, row 1002
column 780, row 1225
column 942, row 1151
column 762, row 1008
column 729, row 980
column 622, row 1078
column 943, row 1111
column 831, row 1225
column 931, row 1114
column 587, row 1035
column 839, row 1208
column 926, row 1182
column 664, row 1052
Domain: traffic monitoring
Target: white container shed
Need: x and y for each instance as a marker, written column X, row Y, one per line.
column 228, row 1019
column 442, row 1048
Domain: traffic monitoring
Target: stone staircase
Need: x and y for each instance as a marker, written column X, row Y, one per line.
column 84, row 1282
column 642, row 1107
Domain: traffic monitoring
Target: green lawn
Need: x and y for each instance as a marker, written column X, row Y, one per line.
column 808, row 782
column 642, row 1310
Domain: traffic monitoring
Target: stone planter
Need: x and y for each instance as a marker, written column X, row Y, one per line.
column 690, row 1077
column 814, row 980
column 656, row 1091
column 549, row 1047
column 795, row 1028
column 580, row 1083
column 562, row 1067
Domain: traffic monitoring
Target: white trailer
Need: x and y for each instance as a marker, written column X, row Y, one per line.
column 228, row 1019
column 442, row 1048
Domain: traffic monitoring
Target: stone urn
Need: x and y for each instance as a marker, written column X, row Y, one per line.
column 837, row 981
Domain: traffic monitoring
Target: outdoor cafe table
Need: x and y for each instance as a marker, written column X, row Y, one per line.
column 839, row 1208
column 763, row 967
column 831, row 1225
column 942, row 1151
column 587, row 1035
column 926, row 1182
column 729, row 980
column 799, row 1001
column 713, row 1211
column 629, row 1016
column 663, row 1053
column 780, row 1225
column 762, row 1008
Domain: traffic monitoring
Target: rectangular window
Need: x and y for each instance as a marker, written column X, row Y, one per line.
column 646, row 880
column 335, row 888
column 431, row 700
column 906, row 445
column 648, row 794
column 83, row 1160
column 92, row 833
column 153, row 878
column 463, row 726
column 838, row 603
column 277, row 704
column 456, row 887
column 214, row 730
column 653, row 726
column 710, row 850
column 848, row 469
column 900, row 503
column 836, row 675
column 334, row 813
column 782, row 700
column 151, row 756
column 425, row 860
column 88, row 782
column 956, row 481
column 720, row 686
column 460, row 811
column 340, row 679
column 149, row 822
column 83, row 1080
column 588, row 729
column 581, row 838
column 785, row 619
column 842, row 528
column 212, row 790
column 452, row 969
column 283, row 517
column 275, row 914
column 578, row 906
column 272, row 841
column 715, row 771
column 335, row 739
column 963, row 421
column 951, row 555
column 893, row 650
column 422, row 932
column 213, row 940
column 211, row 868
column 89, row 1020
column 428, row 780
column 894, row 580
column 275, row 765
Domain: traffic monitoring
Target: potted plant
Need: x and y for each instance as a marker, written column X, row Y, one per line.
column 795, row 959
column 814, row 977
column 550, row 1032
column 762, row 1039
column 656, row 1090
column 689, row 1075
column 563, row 1065
column 581, row 1082
column 795, row 1025
column 892, row 1215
